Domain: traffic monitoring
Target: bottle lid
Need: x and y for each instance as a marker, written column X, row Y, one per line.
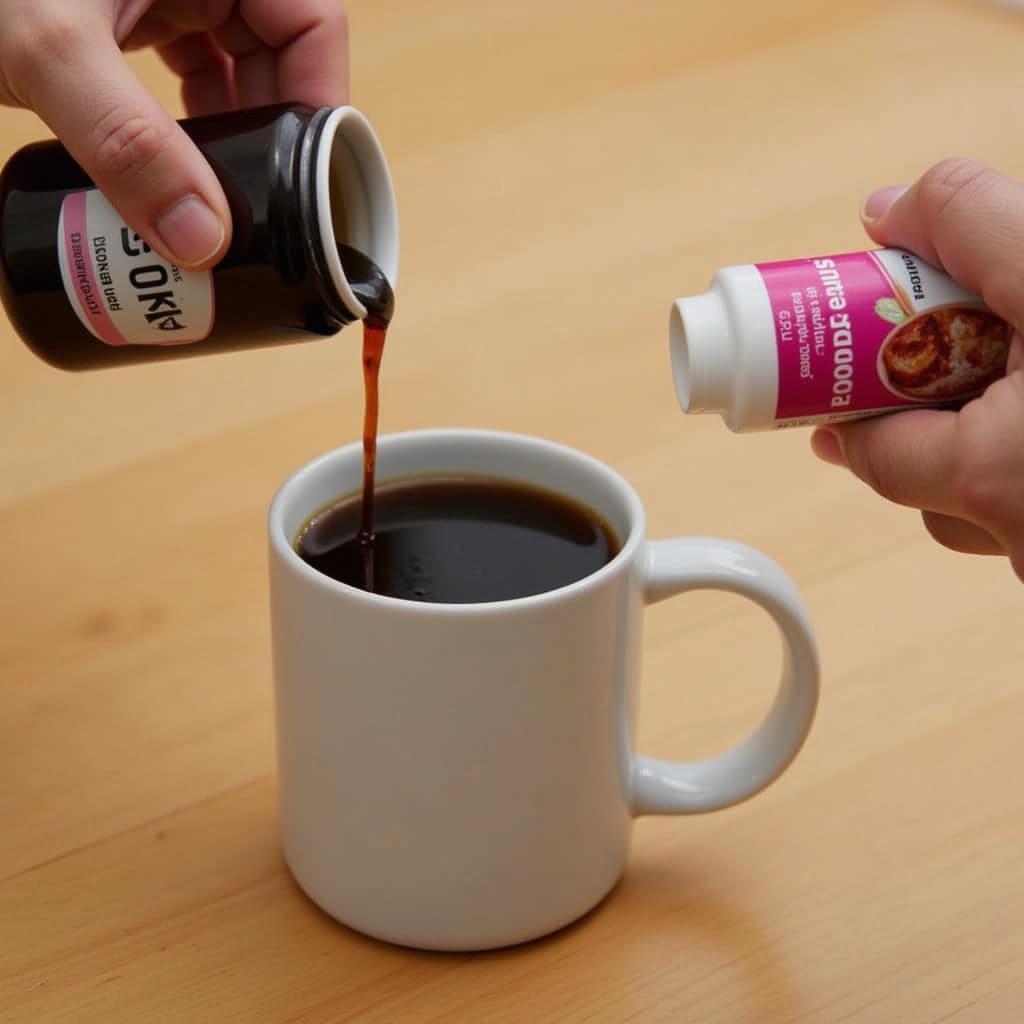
column 702, row 353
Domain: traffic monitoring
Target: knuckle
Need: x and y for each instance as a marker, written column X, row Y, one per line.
column 953, row 182
column 978, row 482
column 979, row 493
column 987, row 462
column 124, row 147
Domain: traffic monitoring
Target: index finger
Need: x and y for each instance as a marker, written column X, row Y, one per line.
column 310, row 38
column 907, row 457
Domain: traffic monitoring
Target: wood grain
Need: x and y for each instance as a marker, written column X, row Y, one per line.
column 564, row 171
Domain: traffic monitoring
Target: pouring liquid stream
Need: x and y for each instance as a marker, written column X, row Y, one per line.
column 371, row 287
column 374, row 335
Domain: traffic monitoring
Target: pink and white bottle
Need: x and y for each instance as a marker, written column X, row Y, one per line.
column 824, row 339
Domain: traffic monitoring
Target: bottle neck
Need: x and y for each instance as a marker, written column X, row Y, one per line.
column 346, row 198
column 702, row 353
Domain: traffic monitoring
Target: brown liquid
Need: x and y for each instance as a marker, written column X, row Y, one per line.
column 373, row 290
column 449, row 540
column 374, row 335
column 458, row 540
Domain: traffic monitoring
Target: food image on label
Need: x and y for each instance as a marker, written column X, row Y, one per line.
column 869, row 331
column 947, row 352
column 122, row 291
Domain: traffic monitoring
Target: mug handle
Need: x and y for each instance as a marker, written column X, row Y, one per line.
column 676, row 566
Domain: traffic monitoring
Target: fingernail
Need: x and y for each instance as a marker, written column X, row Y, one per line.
column 191, row 230
column 880, row 201
column 825, row 444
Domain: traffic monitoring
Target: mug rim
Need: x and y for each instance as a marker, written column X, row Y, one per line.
column 282, row 546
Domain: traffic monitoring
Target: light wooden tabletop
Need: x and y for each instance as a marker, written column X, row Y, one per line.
column 564, row 170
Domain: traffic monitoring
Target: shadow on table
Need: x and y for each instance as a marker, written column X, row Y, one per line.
column 661, row 920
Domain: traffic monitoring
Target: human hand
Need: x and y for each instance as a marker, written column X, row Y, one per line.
column 963, row 469
column 64, row 60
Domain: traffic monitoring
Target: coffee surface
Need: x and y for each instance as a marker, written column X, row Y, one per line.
column 459, row 540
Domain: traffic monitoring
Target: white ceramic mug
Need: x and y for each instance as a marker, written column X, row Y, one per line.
column 462, row 776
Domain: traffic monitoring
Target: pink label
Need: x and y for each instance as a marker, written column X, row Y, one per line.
column 83, row 288
column 866, row 331
column 122, row 291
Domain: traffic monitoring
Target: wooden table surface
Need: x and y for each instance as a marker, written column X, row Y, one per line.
column 564, row 170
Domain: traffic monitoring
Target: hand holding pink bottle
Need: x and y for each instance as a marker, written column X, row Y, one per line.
column 963, row 469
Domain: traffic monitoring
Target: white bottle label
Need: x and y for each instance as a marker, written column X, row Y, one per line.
column 122, row 291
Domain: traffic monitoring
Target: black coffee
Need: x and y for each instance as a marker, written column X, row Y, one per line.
column 459, row 540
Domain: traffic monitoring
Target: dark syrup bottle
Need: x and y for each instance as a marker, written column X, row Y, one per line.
column 314, row 246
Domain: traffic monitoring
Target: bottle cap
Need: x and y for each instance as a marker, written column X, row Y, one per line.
column 701, row 349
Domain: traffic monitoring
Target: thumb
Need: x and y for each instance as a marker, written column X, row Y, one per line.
column 966, row 218
column 129, row 145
